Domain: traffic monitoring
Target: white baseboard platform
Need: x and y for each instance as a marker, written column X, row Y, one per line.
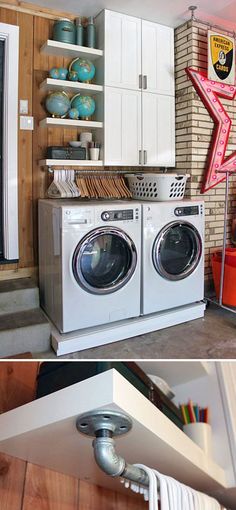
column 101, row 335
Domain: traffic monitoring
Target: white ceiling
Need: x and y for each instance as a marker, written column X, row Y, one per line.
column 167, row 12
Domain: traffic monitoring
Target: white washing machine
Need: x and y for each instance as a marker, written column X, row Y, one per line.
column 172, row 254
column 89, row 262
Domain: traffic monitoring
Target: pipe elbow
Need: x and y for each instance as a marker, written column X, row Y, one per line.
column 107, row 458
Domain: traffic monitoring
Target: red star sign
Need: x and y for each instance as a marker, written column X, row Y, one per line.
column 209, row 92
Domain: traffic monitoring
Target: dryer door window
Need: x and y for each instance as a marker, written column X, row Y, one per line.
column 177, row 250
column 104, row 260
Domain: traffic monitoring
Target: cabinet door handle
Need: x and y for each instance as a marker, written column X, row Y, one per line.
column 140, row 157
column 145, row 157
column 145, row 82
column 140, row 80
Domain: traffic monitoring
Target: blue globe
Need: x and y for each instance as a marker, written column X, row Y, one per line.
column 84, row 68
column 57, row 104
column 85, row 106
column 73, row 113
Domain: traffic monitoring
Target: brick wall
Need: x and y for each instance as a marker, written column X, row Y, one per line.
column 193, row 134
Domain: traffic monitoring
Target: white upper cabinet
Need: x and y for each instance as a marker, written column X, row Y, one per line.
column 122, row 50
column 158, row 129
column 122, row 134
column 158, row 58
column 139, row 112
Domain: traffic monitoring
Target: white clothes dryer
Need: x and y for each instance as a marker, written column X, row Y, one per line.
column 89, row 262
column 172, row 254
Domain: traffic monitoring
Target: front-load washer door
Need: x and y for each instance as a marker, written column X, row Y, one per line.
column 177, row 250
column 104, row 260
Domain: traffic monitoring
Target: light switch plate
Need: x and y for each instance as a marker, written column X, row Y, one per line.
column 24, row 106
column 26, row 123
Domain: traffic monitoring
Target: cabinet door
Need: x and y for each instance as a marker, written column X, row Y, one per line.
column 158, row 58
column 158, row 124
column 122, row 127
column 122, row 50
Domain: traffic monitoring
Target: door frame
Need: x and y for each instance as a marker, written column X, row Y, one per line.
column 10, row 35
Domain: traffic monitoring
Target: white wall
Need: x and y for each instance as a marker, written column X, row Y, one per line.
column 205, row 392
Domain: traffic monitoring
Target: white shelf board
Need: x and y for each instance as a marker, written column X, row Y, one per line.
column 175, row 373
column 71, row 86
column 57, row 48
column 55, row 122
column 69, row 162
column 44, row 433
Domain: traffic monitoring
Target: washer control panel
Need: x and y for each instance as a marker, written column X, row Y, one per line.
column 191, row 210
column 119, row 215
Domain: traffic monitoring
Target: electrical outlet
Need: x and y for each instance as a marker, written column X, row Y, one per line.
column 26, row 123
column 24, row 108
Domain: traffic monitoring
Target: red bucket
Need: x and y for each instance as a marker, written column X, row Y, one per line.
column 229, row 288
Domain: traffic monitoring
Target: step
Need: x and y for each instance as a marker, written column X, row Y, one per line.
column 27, row 331
column 18, row 295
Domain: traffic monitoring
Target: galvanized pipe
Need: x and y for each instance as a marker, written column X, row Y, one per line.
column 113, row 464
column 104, row 425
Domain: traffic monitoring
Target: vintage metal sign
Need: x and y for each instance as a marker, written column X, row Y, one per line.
column 221, row 58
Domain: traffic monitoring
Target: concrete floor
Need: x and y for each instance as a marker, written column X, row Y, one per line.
column 213, row 337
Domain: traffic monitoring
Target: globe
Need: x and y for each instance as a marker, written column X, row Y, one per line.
column 57, row 104
column 85, row 106
column 84, row 68
column 73, row 113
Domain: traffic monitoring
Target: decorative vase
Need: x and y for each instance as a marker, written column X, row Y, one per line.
column 57, row 104
column 91, row 33
column 79, row 32
column 84, row 104
column 64, row 31
column 85, row 69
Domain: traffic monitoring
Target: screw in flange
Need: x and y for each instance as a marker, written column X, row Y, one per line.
column 116, row 422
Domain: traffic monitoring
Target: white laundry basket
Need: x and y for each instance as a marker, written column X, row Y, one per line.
column 157, row 187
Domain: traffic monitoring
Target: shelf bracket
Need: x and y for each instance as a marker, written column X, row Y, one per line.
column 104, row 425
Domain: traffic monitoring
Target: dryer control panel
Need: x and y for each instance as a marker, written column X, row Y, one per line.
column 119, row 215
column 191, row 210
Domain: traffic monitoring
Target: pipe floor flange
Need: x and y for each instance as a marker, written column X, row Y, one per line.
column 114, row 421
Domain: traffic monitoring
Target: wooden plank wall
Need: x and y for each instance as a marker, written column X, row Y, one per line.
column 24, row 486
column 33, row 180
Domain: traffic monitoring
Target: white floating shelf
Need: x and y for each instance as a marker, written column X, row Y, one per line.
column 176, row 373
column 69, row 162
column 57, row 48
column 68, row 123
column 44, row 432
column 71, row 86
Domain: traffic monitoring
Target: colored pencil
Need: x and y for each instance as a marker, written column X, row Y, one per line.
column 191, row 412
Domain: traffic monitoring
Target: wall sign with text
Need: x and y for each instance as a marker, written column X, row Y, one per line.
column 221, row 58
